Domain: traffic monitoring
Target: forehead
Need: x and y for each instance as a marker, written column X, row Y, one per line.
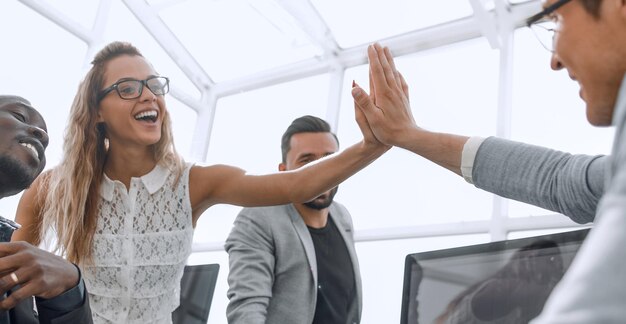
column 23, row 106
column 127, row 66
column 305, row 143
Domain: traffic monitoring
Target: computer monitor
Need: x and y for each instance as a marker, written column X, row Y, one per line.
column 196, row 293
column 499, row 282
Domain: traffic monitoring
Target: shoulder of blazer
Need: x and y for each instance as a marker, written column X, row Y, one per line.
column 268, row 217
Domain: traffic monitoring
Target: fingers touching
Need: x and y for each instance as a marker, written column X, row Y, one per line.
column 387, row 107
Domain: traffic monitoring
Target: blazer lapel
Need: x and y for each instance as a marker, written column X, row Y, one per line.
column 305, row 239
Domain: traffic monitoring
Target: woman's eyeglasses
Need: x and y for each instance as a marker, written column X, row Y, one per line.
column 132, row 89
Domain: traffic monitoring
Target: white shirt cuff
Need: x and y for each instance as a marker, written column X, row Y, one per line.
column 467, row 157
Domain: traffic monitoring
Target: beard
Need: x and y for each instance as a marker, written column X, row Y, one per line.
column 322, row 203
column 14, row 175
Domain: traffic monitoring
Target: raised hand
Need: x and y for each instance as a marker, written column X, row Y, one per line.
column 387, row 108
column 369, row 139
column 388, row 114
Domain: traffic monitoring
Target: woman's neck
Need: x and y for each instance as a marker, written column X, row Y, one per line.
column 122, row 165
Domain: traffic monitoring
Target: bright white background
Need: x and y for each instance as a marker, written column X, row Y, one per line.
column 453, row 89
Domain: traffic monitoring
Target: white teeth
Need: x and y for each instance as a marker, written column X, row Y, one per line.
column 150, row 113
column 31, row 147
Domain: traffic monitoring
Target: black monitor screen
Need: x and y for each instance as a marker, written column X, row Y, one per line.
column 196, row 293
column 498, row 282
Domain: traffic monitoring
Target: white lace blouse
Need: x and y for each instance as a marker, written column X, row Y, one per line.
column 142, row 241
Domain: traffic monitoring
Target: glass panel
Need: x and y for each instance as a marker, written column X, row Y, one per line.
column 49, row 81
column 44, row 68
column 382, row 271
column 355, row 22
column 237, row 39
column 265, row 114
column 82, row 12
column 529, row 233
column 520, row 209
column 447, row 95
column 183, row 123
column 126, row 27
column 247, row 131
column 547, row 110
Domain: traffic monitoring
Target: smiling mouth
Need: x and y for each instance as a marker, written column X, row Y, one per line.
column 32, row 148
column 149, row 116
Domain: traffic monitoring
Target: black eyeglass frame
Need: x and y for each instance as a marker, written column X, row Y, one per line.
column 548, row 10
column 144, row 83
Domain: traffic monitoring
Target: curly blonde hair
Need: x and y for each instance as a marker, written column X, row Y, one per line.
column 72, row 189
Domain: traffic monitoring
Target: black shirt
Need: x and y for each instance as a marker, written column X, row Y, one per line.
column 335, row 275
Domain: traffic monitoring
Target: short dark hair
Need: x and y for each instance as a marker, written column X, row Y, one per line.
column 592, row 6
column 304, row 124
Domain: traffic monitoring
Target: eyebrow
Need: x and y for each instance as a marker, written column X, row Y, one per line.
column 308, row 155
column 305, row 155
column 135, row 79
column 29, row 107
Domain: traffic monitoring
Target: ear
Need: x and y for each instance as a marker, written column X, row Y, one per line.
column 282, row 167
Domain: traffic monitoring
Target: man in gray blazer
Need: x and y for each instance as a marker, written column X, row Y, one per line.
column 589, row 40
column 295, row 263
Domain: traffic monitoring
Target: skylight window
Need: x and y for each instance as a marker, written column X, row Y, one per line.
column 356, row 22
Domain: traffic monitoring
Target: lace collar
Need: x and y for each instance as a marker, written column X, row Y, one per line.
column 153, row 181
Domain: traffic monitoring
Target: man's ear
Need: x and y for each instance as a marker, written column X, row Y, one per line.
column 282, row 167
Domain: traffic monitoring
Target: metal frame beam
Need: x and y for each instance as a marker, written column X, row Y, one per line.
column 552, row 221
column 57, row 17
column 150, row 19
column 408, row 43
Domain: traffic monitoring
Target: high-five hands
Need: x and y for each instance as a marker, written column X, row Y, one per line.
column 387, row 107
column 369, row 138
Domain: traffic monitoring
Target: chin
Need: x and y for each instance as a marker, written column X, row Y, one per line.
column 152, row 140
column 598, row 119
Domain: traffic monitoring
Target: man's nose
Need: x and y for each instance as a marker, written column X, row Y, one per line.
column 555, row 62
column 40, row 134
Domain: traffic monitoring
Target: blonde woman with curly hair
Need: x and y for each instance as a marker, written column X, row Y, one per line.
column 122, row 203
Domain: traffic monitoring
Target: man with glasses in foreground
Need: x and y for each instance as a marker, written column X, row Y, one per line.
column 589, row 41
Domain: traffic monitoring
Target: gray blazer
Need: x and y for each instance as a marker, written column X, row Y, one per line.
column 273, row 270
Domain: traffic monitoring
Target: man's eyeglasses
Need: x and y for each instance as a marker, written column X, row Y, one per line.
column 543, row 26
column 132, row 89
